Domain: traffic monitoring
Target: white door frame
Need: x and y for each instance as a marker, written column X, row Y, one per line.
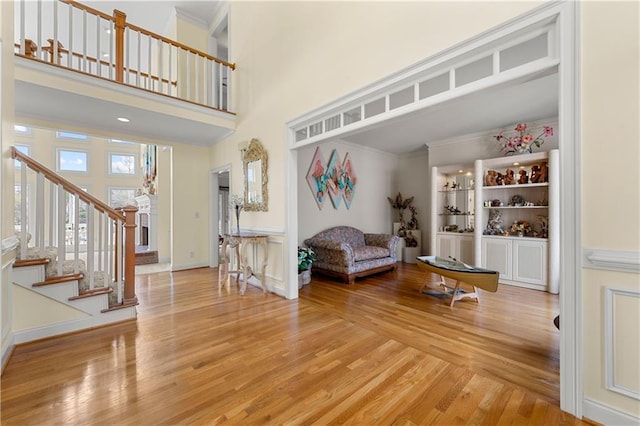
column 567, row 15
column 213, row 212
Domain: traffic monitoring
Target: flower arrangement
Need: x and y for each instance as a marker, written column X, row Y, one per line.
column 237, row 202
column 306, row 256
column 523, row 141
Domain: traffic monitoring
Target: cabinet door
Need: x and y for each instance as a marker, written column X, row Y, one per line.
column 465, row 249
column 496, row 255
column 446, row 246
column 530, row 262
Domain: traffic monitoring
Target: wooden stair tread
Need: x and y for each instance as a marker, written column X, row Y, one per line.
column 91, row 293
column 123, row 306
column 30, row 262
column 59, row 279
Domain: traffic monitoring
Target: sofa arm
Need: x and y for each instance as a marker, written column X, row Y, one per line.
column 329, row 251
column 387, row 241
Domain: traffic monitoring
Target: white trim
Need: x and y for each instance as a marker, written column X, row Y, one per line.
column 214, row 260
column 110, row 171
column 8, row 244
column 123, row 89
column 37, row 333
column 61, row 149
column 8, row 350
column 194, row 20
column 184, row 267
column 571, row 340
column 606, row 415
column 609, row 341
column 611, row 260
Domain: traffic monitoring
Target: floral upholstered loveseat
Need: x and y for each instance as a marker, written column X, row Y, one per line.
column 348, row 253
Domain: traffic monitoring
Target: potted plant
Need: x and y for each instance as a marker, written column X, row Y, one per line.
column 306, row 256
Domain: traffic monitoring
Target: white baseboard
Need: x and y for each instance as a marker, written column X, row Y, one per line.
column 184, row 267
column 36, row 333
column 600, row 413
column 6, row 352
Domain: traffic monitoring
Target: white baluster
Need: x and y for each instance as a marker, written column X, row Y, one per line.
column 76, row 233
column 61, row 227
column 40, row 203
column 119, row 263
column 90, row 244
column 23, row 211
column 69, row 55
column 23, row 44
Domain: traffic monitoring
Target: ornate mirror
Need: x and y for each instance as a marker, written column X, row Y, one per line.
column 255, row 177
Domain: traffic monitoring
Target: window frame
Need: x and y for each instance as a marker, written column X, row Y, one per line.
column 113, row 173
column 59, row 150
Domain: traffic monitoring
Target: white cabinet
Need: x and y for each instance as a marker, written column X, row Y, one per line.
column 457, row 246
column 520, row 261
column 497, row 255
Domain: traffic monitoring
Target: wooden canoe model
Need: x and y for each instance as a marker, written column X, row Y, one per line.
column 460, row 272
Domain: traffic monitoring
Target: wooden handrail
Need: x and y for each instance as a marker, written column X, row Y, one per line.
column 88, row 9
column 53, row 177
column 181, row 46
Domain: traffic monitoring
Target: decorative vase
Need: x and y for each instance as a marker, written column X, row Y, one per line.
column 238, row 220
column 304, row 278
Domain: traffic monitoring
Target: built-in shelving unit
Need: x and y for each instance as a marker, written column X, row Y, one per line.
column 522, row 242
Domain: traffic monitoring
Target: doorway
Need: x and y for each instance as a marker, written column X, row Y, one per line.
column 220, row 181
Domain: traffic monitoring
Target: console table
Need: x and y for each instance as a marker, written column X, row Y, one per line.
column 241, row 241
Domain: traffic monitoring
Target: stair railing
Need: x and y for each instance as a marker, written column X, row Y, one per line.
column 68, row 34
column 110, row 233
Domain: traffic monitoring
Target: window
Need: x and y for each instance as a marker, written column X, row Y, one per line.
column 120, row 197
column 72, row 160
column 21, row 129
column 23, row 149
column 122, row 164
column 71, row 135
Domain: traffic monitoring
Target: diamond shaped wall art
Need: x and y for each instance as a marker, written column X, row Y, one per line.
column 317, row 178
column 335, row 183
column 336, row 180
column 349, row 179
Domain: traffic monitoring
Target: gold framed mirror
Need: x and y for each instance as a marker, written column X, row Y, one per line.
column 255, row 165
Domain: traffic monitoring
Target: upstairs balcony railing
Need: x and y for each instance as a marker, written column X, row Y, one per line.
column 68, row 34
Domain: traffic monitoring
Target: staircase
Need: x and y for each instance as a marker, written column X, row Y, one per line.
column 77, row 281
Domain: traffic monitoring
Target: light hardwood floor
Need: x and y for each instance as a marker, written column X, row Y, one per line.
column 376, row 352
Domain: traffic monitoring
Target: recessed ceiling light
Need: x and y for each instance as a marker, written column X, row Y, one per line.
column 516, row 164
column 460, row 171
column 123, row 119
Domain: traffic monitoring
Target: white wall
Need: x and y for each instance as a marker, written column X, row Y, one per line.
column 370, row 211
column 413, row 181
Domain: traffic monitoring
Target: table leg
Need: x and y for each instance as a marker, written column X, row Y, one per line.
column 244, row 268
column 265, row 260
column 223, row 268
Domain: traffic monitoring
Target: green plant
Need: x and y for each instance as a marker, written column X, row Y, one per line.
column 306, row 256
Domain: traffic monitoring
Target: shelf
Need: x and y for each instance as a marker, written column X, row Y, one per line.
column 516, row 207
column 456, row 190
column 524, row 185
column 515, row 237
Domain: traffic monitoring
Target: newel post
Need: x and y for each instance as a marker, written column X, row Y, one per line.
column 119, row 18
column 130, row 255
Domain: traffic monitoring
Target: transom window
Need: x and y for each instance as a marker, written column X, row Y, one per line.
column 71, row 135
column 120, row 197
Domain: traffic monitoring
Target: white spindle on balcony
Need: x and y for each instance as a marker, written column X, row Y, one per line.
column 203, row 78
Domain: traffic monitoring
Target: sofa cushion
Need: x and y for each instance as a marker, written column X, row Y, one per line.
column 369, row 252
